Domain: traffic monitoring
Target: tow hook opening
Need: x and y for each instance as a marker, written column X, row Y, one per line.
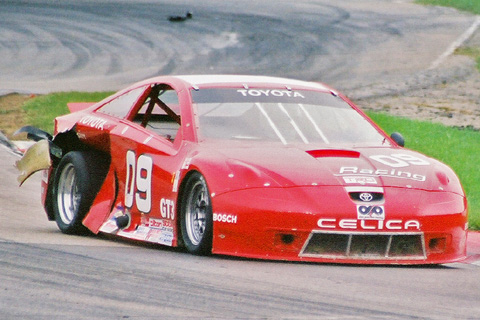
column 287, row 238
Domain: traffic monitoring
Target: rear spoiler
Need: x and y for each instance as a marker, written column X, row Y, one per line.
column 78, row 106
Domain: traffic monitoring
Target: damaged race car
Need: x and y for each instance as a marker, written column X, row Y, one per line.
column 249, row 166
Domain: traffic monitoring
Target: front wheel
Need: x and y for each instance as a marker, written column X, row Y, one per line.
column 196, row 216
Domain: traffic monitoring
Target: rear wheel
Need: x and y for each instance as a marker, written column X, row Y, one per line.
column 78, row 178
column 196, row 216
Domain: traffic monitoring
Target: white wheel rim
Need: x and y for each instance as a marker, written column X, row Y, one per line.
column 196, row 212
column 68, row 197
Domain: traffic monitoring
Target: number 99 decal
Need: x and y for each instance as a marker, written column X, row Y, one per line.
column 400, row 160
column 138, row 184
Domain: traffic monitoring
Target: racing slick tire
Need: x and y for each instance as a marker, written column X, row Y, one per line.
column 77, row 180
column 196, row 216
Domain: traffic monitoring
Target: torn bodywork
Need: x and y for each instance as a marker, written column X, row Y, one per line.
column 36, row 158
column 39, row 156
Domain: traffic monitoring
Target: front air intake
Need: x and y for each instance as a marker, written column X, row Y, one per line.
column 380, row 246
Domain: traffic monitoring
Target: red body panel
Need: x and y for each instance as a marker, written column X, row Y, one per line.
column 273, row 201
column 78, row 106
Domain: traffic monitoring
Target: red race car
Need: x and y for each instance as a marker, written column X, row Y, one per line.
column 248, row 166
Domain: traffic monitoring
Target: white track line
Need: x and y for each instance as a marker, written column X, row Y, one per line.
column 457, row 43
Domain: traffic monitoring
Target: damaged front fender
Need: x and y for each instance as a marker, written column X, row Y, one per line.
column 36, row 158
column 39, row 156
column 34, row 134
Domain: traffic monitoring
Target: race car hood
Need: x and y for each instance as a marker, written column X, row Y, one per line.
column 290, row 166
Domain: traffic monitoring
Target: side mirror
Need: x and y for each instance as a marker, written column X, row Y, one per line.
column 398, row 138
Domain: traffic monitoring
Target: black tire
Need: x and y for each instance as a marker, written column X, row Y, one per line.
column 196, row 216
column 77, row 180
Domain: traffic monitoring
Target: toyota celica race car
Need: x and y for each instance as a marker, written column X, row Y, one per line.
column 249, row 166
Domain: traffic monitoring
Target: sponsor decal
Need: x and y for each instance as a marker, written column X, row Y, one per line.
column 364, row 224
column 160, row 224
column 167, row 208
column 93, row 122
column 141, row 232
column 223, row 217
column 268, row 93
column 371, row 212
column 160, row 231
column 394, row 161
column 394, row 173
column 154, row 230
column 161, row 237
column 359, row 180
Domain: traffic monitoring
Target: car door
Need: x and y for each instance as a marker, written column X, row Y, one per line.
column 145, row 155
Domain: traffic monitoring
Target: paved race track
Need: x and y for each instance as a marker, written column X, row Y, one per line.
column 49, row 45
column 45, row 274
column 97, row 45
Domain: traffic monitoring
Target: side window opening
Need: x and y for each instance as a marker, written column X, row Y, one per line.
column 160, row 112
column 121, row 106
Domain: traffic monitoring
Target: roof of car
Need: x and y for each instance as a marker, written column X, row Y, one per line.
column 198, row 80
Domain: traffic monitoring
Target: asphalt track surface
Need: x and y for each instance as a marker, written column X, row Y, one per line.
column 85, row 45
column 48, row 45
column 45, row 274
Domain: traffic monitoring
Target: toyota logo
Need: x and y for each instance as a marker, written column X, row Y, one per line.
column 367, row 197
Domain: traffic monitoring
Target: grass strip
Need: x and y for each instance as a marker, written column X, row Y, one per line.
column 458, row 148
column 472, row 6
column 42, row 110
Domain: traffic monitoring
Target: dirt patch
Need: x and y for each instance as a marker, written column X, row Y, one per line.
column 454, row 102
column 12, row 116
column 448, row 94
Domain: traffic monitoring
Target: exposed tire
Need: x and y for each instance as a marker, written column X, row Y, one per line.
column 196, row 216
column 77, row 180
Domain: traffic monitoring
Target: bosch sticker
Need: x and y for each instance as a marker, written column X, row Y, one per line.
column 227, row 218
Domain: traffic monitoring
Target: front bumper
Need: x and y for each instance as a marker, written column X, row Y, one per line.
column 320, row 225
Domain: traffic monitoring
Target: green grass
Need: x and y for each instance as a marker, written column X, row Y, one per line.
column 43, row 109
column 472, row 6
column 470, row 52
column 460, row 149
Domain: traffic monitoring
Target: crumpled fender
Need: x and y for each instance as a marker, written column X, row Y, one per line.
column 39, row 156
column 102, row 204
column 36, row 158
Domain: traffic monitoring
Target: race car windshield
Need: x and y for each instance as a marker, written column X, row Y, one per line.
column 281, row 115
